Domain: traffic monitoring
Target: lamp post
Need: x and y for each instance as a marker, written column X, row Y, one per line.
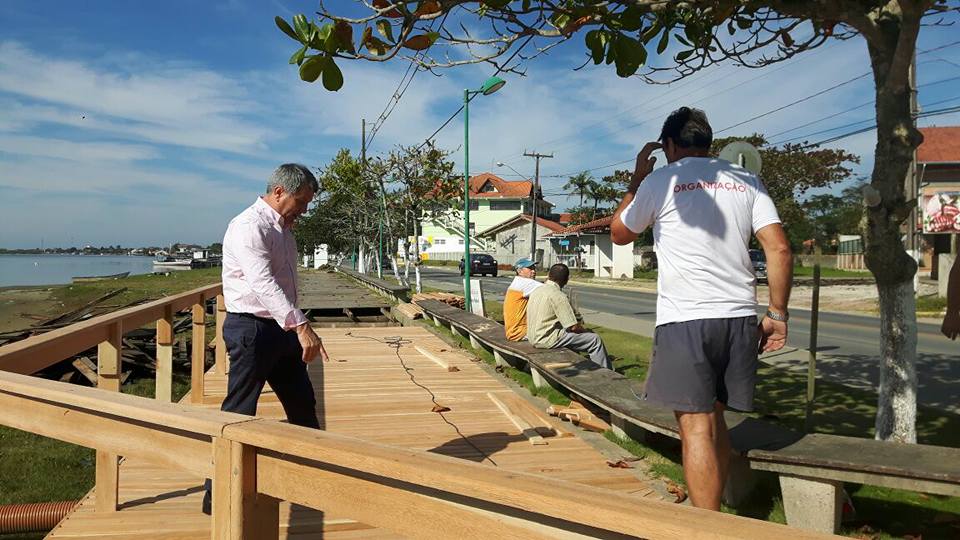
column 490, row 86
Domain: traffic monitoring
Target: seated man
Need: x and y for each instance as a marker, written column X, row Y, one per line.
column 515, row 301
column 553, row 324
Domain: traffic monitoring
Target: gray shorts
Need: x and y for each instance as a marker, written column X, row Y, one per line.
column 697, row 363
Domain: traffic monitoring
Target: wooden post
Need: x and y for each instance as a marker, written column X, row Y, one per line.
column 199, row 352
column 812, row 360
column 164, row 385
column 221, row 367
column 238, row 511
column 109, row 358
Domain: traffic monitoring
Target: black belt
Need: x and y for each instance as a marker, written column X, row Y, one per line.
column 252, row 316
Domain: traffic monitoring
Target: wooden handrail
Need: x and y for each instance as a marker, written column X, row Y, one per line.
column 41, row 351
column 259, row 461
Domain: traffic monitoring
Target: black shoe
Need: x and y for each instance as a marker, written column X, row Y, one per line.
column 205, row 507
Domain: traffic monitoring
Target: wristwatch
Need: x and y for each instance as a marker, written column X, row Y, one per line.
column 782, row 317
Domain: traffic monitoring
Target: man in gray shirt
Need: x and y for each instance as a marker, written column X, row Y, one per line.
column 552, row 323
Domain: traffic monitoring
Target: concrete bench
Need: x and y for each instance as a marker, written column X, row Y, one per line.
column 397, row 292
column 811, row 467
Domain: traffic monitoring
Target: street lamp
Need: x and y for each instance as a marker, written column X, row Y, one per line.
column 490, row 86
column 533, row 212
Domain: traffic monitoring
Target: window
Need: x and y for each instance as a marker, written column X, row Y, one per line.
column 473, row 227
column 440, row 241
column 505, row 205
column 488, row 187
column 460, row 241
column 474, row 204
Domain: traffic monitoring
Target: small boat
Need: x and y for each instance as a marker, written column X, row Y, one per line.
column 166, row 261
column 88, row 279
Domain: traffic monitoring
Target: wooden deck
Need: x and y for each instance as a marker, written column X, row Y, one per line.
column 367, row 391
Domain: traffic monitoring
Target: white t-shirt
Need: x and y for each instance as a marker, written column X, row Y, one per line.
column 703, row 212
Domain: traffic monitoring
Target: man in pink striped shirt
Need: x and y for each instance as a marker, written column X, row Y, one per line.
column 268, row 339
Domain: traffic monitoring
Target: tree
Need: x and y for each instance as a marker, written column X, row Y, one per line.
column 789, row 171
column 579, row 184
column 750, row 32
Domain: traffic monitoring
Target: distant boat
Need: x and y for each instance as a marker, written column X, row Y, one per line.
column 88, row 279
column 166, row 261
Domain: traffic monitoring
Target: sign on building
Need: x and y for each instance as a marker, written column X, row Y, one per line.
column 941, row 212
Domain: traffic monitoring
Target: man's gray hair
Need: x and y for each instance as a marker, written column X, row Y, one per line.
column 292, row 177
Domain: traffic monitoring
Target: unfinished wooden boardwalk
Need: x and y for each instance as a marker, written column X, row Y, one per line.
column 381, row 385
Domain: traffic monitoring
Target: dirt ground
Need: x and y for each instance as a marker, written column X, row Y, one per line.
column 17, row 304
column 862, row 298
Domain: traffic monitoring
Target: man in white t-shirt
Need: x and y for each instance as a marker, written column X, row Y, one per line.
column 704, row 211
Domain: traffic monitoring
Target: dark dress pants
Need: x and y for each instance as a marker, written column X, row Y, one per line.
column 262, row 352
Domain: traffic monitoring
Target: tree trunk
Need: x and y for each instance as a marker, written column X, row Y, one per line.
column 416, row 252
column 884, row 252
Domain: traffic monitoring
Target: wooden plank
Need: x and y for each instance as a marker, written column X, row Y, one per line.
column 525, row 427
column 164, row 373
column 199, row 351
column 444, row 364
column 87, row 368
column 220, row 356
column 381, row 503
column 109, row 354
column 868, row 456
column 533, row 415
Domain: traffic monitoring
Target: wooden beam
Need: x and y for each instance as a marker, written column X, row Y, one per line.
column 87, row 368
column 436, row 359
column 384, row 504
column 238, row 511
column 525, row 427
column 199, row 352
column 164, row 384
column 158, row 443
column 109, row 359
column 220, row 357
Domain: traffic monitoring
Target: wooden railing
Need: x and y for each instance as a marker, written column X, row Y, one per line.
column 255, row 463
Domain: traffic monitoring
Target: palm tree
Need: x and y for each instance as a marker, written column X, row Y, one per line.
column 579, row 184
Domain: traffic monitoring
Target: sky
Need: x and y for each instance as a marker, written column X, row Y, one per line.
column 148, row 123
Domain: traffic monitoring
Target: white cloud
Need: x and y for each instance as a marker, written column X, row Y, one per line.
column 75, row 151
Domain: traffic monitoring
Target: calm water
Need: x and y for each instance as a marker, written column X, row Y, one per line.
column 56, row 269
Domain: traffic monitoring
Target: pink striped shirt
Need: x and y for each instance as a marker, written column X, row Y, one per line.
column 260, row 266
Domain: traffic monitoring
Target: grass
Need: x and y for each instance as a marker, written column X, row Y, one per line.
column 780, row 398
column 807, row 271
column 931, row 303
column 147, row 286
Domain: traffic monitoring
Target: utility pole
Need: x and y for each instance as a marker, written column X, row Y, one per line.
column 533, row 201
column 912, row 185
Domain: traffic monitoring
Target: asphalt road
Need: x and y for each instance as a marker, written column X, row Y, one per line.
column 848, row 344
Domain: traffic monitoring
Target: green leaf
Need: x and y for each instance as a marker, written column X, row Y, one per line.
column 683, row 55
column 526, row 5
column 311, row 68
column 664, row 41
column 385, row 29
column 283, row 25
column 631, row 19
column 630, row 55
column 332, row 76
column 377, row 47
column 683, row 40
column 499, row 4
column 297, row 57
column 560, row 20
column 592, row 40
column 612, row 49
column 744, row 23
column 319, row 36
column 302, row 26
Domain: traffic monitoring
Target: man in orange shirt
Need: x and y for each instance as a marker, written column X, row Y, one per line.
column 515, row 301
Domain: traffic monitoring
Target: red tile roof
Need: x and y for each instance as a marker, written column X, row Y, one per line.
column 504, row 188
column 597, row 225
column 940, row 144
column 565, row 218
column 553, row 226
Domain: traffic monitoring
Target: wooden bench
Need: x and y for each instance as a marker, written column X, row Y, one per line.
column 811, row 467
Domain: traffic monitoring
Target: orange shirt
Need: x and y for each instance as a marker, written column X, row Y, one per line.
column 515, row 307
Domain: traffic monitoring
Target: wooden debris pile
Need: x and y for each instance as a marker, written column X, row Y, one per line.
column 579, row 415
column 447, row 298
column 411, row 311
